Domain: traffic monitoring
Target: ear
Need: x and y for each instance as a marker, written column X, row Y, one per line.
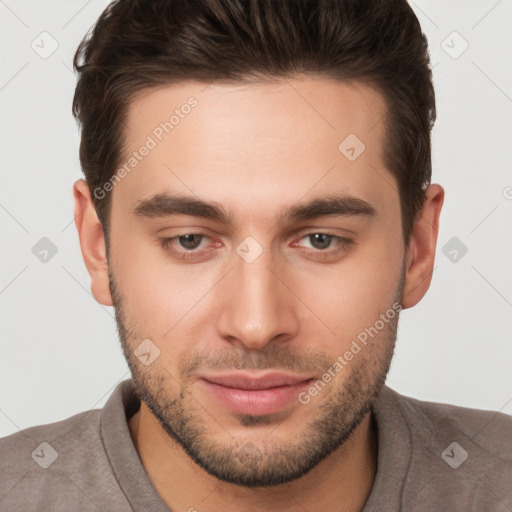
column 421, row 248
column 92, row 243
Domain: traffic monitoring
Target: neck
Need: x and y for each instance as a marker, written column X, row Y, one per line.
column 342, row 481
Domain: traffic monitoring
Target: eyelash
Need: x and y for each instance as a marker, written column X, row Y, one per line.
column 184, row 254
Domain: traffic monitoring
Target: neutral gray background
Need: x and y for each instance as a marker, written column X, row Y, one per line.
column 59, row 352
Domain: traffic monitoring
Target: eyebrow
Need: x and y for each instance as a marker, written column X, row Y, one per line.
column 163, row 205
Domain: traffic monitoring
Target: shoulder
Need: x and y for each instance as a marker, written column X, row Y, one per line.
column 460, row 456
column 56, row 464
column 491, row 430
column 38, row 446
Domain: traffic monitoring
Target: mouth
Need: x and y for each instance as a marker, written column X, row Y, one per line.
column 256, row 394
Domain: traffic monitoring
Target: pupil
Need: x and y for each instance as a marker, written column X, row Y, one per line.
column 320, row 240
column 189, row 242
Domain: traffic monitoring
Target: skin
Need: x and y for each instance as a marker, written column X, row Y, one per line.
column 258, row 149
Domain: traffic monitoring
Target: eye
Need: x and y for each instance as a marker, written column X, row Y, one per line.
column 196, row 246
column 188, row 245
column 190, row 241
column 323, row 246
column 323, row 241
column 320, row 240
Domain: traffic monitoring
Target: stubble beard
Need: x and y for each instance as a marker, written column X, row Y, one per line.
column 250, row 461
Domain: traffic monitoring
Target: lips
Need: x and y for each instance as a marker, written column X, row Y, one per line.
column 256, row 382
column 256, row 393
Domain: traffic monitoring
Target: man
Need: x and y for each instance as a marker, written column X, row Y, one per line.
column 258, row 209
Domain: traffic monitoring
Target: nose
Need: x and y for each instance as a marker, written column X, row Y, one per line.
column 256, row 308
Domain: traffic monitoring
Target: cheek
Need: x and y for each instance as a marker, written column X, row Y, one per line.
column 164, row 302
column 157, row 296
column 350, row 297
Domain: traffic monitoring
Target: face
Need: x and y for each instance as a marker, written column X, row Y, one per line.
column 264, row 263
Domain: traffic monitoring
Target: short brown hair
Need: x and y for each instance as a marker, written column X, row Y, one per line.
column 140, row 44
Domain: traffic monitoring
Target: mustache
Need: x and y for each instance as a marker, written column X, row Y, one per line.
column 269, row 358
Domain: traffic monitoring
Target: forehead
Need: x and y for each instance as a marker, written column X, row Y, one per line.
column 256, row 145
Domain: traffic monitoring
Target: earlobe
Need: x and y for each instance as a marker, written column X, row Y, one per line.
column 421, row 248
column 92, row 243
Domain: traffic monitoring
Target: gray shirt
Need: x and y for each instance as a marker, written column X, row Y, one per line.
column 431, row 457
